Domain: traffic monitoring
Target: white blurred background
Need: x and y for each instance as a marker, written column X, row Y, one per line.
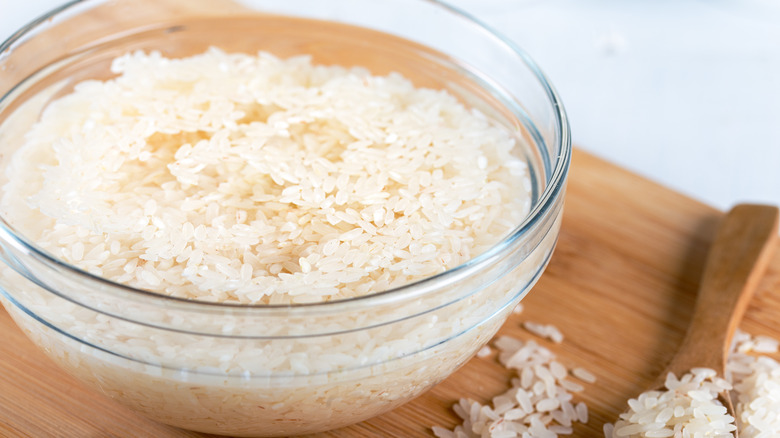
column 685, row 92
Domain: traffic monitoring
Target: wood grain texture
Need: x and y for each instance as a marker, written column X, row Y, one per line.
column 621, row 286
column 742, row 248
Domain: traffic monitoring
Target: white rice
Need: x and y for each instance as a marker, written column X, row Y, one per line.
column 584, row 375
column 251, row 179
column 547, row 331
column 687, row 407
column 485, row 351
column 754, row 379
column 539, row 402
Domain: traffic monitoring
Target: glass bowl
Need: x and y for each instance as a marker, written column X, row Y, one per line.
column 278, row 370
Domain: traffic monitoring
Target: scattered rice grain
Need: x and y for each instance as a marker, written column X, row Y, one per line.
column 536, row 405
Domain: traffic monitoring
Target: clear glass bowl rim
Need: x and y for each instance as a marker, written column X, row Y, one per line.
column 555, row 187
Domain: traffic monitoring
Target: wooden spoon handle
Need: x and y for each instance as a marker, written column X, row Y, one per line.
column 739, row 255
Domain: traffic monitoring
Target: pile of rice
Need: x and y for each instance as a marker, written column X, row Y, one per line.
column 756, row 378
column 539, row 403
column 690, row 407
column 252, row 179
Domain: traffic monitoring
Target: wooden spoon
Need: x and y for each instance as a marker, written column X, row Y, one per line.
column 739, row 255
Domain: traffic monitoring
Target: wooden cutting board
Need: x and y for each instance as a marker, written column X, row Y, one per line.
column 620, row 286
